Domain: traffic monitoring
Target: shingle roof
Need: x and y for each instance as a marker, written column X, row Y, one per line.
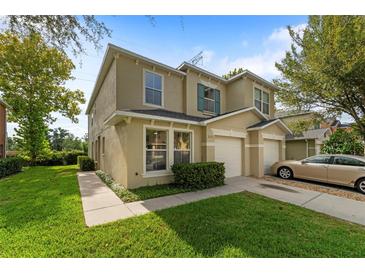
column 309, row 134
column 262, row 123
column 169, row 114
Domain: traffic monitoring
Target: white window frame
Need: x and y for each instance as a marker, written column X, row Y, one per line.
column 191, row 144
column 170, row 149
column 162, row 89
column 262, row 99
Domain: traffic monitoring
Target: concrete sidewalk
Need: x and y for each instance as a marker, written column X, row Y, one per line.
column 101, row 205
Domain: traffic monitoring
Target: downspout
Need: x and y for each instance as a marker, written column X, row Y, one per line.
column 307, row 148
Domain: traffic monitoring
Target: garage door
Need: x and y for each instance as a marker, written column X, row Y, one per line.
column 271, row 154
column 228, row 150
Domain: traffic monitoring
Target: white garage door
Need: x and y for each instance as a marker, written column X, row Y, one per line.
column 271, row 154
column 228, row 150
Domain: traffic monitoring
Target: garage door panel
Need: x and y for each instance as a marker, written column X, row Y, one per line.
column 271, row 154
column 229, row 151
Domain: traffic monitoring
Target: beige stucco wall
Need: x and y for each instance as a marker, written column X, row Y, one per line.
column 104, row 106
column 240, row 94
column 302, row 117
column 130, row 85
column 237, row 123
column 129, row 168
column 191, row 96
column 300, row 149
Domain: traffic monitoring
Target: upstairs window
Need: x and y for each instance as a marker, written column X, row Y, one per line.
column 208, row 99
column 262, row 101
column 153, row 88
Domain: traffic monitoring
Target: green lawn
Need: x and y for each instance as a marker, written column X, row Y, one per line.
column 41, row 216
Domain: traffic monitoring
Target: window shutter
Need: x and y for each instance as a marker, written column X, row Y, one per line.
column 200, row 97
column 217, row 101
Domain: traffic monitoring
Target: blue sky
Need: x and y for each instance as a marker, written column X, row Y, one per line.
column 252, row 42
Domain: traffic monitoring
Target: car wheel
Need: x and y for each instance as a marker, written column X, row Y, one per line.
column 361, row 186
column 285, row 173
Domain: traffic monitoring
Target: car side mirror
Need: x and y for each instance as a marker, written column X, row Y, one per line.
column 303, row 162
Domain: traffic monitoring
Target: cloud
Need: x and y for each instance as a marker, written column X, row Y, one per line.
column 244, row 43
column 263, row 63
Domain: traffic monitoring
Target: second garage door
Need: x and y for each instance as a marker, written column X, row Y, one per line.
column 228, row 150
column 271, row 154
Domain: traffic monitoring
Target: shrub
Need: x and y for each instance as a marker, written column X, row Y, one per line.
column 56, row 158
column 199, row 175
column 85, row 163
column 343, row 142
column 70, row 157
column 10, row 166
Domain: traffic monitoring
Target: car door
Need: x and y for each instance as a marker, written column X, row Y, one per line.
column 313, row 168
column 345, row 170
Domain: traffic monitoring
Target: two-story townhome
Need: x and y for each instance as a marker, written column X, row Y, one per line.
column 2, row 129
column 144, row 116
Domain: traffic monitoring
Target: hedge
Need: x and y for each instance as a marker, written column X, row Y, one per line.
column 199, row 175
column 58, row 158
column 85, row 163
column 10, row 166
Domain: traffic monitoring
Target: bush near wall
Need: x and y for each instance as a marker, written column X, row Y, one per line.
column 57, row 158
column 10, row 166
column 85, row 163
column 199, row 175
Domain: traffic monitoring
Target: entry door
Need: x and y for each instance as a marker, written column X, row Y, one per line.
column 271, row 154
column 229, row 151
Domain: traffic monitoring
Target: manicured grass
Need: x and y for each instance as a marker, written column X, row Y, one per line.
column 41, row 216
column 141, row 193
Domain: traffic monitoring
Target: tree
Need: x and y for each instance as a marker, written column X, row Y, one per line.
column 57, row 137
column 343, row 142
column 60, row 31
column 32, row 78
column 232, row 73
column 325, row 68
column 12, row 144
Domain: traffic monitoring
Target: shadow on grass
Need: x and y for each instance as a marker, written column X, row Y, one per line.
column 249, row 225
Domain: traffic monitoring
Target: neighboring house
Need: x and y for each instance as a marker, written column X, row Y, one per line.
column 335, row 124
column 306, row 145
column 3, row 136
column 144, row 116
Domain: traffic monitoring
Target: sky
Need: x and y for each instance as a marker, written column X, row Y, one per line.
column 227, row 42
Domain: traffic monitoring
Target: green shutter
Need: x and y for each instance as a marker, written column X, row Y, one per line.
column 217, row 102
column 200, row 97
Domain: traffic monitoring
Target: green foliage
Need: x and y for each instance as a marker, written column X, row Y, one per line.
column 12, row 144
column 10, row 166
column 43, row 204
column 325, row 67
column 61, row 139
column 56, row 158
column 32, row 82
column 301, row 125
column 141, row 193
column 85, row 163
column 60, row 31
column 199, row 175
column 232, row 73
column 343, row 142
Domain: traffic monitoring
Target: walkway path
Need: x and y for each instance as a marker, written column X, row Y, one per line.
column 101, row 205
